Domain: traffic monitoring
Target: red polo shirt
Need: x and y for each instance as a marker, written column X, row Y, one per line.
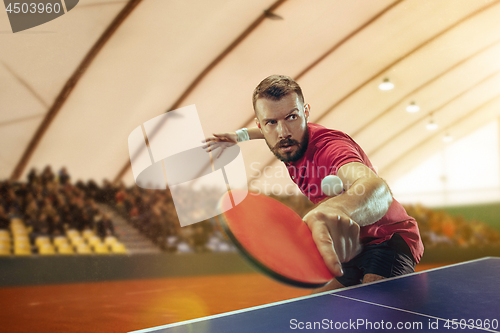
column 327, row 151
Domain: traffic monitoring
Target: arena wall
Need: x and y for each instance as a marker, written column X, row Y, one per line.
column 42, row 270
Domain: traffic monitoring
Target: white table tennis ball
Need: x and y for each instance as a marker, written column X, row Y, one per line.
column 332, row 185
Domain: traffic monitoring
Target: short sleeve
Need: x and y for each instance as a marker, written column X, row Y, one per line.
column 335, row 153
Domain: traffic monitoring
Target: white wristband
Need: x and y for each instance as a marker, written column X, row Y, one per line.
column 242, row 135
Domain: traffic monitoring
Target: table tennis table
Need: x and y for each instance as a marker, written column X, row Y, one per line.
column 460, row 297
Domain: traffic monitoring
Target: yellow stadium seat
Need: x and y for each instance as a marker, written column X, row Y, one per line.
column 110, row 240
column 58, row 240
column 101, row 248
column 65, row 248
column 76, row 241
column 22, row 250
column 15, row 221
column 46, row 249
column 94, row 240
column 83, row 249
column 4, row 250
column 18, row 240
column 4, row 239
column 19, row 231
column 87, row 233
column 4, row 233
column 40, row 240
column 118, row 248
column 72, row 233
column 5, row 243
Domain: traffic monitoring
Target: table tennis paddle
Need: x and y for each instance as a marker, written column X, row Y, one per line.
column 274, row 239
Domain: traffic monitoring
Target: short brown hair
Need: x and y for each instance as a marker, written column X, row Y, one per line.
column 275, row 87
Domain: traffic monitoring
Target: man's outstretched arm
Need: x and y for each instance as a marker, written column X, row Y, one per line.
column 335, row 223
column 223, row 140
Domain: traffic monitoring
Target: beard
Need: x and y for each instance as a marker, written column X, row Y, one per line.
column 288, row 157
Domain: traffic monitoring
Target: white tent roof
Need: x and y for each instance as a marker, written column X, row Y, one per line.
column 73, row 89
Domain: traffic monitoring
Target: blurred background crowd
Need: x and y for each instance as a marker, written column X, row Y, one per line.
column 50, row 205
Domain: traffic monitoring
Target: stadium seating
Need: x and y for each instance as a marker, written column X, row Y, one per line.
column 46, row 249
column 118, row 248
column 100, row 248
column 83, row 248
column 65, row 249
column 22, row 249
column 4, row 249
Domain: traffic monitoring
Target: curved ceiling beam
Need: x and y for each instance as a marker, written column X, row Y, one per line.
column 394, row 63
column 347, row 38
column 330, row 51
column 422, row 86
column 265, row 14
column 434, row 111
column 366, row 82
column 336, row 46
column 456, row 122
column 224, row 53
column 69, row 86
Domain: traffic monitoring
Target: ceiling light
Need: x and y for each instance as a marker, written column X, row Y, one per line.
column 413, row 107
column 431, row 125
column 386, row 85
column 447, row 138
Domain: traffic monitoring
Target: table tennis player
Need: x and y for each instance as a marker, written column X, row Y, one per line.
column 363, row 234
